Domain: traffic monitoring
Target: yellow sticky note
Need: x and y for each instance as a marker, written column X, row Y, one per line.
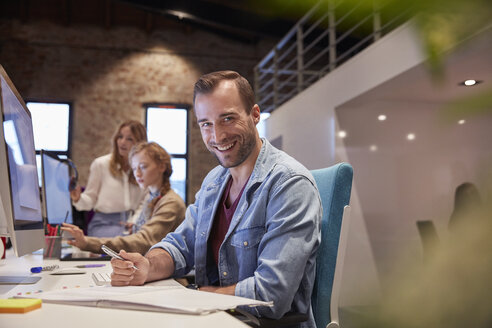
column 19, row 305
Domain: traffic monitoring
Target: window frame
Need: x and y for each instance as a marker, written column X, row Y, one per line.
column 167, row 105
column 68, row 152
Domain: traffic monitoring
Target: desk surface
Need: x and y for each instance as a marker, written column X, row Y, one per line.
column 85, row 317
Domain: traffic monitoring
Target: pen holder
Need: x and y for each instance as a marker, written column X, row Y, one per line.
column 52, row 247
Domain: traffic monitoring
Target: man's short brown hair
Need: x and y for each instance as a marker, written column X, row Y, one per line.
column 208, row 82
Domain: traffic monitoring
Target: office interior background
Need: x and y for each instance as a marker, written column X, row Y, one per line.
column 382, row 110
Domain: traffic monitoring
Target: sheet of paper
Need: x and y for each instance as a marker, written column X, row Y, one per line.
column 150, row 298
column 192, row 301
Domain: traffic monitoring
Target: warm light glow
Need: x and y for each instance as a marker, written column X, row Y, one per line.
column 342, row 134
column 411, row 136
column 461, row 122
column 373, row 148
column 382, row 117
column 180, row 14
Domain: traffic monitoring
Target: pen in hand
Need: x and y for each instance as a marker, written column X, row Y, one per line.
column 113, row 254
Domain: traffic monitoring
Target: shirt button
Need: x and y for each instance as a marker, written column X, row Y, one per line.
column 224, row 273
column 245, row 243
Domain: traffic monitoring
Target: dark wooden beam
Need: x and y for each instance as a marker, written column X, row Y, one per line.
column 107, row 13
column 149, row 22
column 65, row 12
column 24, row 10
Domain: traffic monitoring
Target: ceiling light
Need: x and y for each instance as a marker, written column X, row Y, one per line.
column 342, row 134
column 461, row 122
column 469, row 83
column 382, row 117
column 411, row 136
column 373, row 148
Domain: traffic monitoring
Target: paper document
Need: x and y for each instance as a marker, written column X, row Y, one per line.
column 149, row 298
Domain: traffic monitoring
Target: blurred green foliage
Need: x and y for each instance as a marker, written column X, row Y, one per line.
column 474, row 105
column 455, row 288
column 441, row 24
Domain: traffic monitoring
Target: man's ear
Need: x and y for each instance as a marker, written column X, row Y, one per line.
column 255, row 113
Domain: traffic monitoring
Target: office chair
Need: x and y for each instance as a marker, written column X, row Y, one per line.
column 334, row 185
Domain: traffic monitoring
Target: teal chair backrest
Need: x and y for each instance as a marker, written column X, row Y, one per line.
column 334, row 185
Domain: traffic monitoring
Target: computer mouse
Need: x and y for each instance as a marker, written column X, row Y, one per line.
column 68, row 271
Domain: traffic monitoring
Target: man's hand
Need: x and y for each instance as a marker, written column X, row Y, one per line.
column 123, row 273
column 79, row 240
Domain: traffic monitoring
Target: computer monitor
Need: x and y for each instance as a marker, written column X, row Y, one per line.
column 20, row 205
column 55, row 181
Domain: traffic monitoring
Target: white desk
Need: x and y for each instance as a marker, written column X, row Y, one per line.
column 54, row 315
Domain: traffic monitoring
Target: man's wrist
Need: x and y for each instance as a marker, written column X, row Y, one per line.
column 160, row 264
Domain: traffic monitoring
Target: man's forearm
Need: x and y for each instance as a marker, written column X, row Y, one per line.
column 228, row 290
column 161, row 264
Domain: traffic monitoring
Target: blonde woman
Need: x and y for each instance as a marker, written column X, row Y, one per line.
column 111, row 190
column 161, row 211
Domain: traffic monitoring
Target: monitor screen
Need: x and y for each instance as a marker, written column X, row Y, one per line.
column 20, row 206
column 57, row 206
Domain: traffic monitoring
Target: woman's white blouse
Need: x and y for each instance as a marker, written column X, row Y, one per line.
column 107, row 194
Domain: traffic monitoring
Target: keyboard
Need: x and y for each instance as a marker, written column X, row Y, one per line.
column 101, row 279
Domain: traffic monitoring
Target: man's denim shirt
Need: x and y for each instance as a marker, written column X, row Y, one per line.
column 270, row 247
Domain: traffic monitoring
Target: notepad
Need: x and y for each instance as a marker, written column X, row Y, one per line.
column 169, row 299
column 12, row 305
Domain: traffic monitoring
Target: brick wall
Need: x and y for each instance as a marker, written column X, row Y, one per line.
column 108, row 74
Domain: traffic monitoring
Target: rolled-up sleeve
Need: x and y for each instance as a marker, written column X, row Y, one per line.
column 180, row 244
column 167, row 215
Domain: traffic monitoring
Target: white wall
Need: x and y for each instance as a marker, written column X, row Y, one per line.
column 309, row 117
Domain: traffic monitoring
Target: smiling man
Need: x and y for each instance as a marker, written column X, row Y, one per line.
column 254, row 228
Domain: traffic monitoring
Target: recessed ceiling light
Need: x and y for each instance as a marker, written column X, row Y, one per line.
column 469, row 83
column 373, row 148
column 461, row 122
column 382, row 117
column 342, row 134
column 411, row 136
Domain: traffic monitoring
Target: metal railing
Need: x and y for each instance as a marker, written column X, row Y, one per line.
column 327, row 36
